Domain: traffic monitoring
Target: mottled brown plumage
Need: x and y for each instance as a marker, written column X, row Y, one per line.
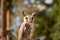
column 27, row 31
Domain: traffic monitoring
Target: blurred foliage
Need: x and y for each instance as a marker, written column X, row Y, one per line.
column 55, row 14
column 51, row 22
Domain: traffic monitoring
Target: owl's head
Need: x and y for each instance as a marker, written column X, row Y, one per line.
column 29, row 18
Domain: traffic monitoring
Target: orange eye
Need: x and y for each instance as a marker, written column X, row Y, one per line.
column 26, row 18
column 32, row 18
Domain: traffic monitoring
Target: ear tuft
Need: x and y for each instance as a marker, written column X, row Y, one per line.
column 24, row 13
column 33, row 14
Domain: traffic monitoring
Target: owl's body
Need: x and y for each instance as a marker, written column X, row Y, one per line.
column 27, row 28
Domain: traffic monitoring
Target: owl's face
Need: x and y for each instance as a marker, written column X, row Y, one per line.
column 29, row 18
